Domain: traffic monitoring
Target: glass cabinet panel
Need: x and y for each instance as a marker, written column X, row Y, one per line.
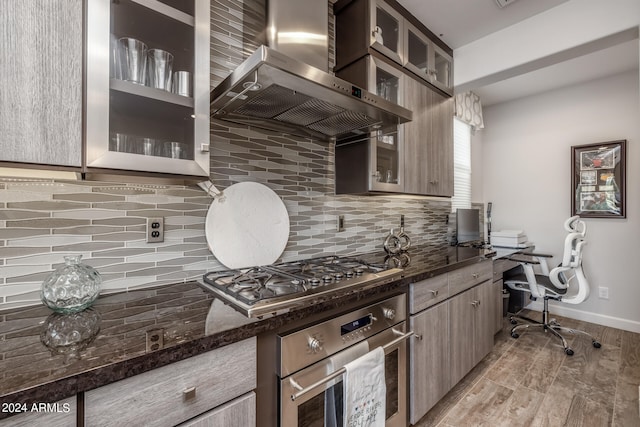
column 386, row 30
column 417, row 52
column 385, row 80
column 442, row 72
column 147, row 65
column 386, row 160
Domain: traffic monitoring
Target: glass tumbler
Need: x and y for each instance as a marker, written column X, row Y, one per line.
column 160, row 63
column 132, row 57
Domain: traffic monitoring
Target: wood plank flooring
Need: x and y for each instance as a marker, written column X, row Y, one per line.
column 530, row 382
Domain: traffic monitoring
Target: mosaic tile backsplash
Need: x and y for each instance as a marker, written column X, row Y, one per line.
column 42, row 220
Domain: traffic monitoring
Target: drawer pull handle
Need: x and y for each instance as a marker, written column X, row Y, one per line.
column 189, row 393
column 434, row 292
column 475, row 275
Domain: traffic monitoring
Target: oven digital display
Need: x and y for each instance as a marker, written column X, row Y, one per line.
column 355, row 325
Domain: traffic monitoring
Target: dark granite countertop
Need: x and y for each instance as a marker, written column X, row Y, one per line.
column 189, row 319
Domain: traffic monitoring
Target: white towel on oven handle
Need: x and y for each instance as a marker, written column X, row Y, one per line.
column 337, row 361
column 365, row 391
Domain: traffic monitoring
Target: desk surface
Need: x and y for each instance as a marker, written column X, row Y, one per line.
column 507, row 252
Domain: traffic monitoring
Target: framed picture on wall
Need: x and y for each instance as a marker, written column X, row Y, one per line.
column 598, row 176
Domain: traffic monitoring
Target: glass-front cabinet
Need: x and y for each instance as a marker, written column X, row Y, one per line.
column 387, row 27
column 427, row 60
column 442, row 75
column 390, row 33
column 373, row 163
column 148, row 86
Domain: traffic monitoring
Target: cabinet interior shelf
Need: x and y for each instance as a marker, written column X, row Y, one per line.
column 149, row 92
column 167, row 10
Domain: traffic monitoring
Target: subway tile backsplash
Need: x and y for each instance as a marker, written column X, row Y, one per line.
column 42, row 220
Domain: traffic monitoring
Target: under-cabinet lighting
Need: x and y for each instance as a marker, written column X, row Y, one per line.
column 24, row 173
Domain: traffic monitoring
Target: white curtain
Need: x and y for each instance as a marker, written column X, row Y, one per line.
column 469, row 109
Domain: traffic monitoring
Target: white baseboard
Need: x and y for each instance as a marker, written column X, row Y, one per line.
column 599, row 319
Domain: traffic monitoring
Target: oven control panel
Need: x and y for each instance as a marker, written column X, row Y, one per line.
column 314, row 343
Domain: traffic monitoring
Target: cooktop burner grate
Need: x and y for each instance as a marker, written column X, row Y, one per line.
column 292, row 278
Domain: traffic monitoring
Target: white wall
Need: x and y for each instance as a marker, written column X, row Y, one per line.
column 523, row 167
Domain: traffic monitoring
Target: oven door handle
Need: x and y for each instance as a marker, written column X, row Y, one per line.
column 303, row 390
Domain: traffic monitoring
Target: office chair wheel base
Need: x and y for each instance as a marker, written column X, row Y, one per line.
column 568, row 351
column 514, row 335
column 596, row 344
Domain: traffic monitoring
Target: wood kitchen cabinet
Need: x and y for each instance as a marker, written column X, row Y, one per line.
column 240, row 412
column 41, row 82
column 471, row 328
column 452, row 316
column 428, row 141
column 390, row 30
column 429, row 367
column 413, row 158
column 179, row 392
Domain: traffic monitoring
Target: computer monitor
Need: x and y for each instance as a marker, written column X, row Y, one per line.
column 467, row 225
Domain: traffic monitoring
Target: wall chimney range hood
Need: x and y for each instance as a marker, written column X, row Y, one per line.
column 276, row 89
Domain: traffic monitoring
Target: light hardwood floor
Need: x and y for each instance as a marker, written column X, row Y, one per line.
column 529, row 381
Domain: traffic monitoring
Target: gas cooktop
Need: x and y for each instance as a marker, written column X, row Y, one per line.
column 279, row 288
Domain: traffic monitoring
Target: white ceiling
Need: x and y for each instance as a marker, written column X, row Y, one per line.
column 459, row 22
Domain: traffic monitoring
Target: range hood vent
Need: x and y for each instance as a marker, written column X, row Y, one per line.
column 273, row 91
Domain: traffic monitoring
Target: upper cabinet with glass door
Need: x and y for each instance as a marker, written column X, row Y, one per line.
column 374, row 163
column 387, row 29
column 389, row 32
column 427, row 60
column 148, row 86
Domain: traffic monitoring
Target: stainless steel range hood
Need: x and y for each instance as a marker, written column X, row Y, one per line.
column 275, row 91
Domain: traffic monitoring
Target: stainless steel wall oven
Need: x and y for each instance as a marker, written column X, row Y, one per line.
column 309, row 365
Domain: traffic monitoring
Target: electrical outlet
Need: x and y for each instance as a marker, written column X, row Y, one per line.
column 155, row 339
column 603, row 292
column 401, row 221
column 155, row 230
column 340, row 223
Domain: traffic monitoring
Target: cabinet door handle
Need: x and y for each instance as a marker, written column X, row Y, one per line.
column 418, row 336
column 475, row 275
column 189, row 393
column 434, row 292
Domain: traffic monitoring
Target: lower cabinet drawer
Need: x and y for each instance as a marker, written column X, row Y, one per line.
column 426, row 293
column 240, row 412
column 469, row 276
column 175, row 393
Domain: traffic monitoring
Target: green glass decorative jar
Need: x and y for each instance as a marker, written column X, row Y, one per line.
column 72, row 287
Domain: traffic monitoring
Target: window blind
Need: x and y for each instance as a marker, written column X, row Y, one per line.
column 461, row 165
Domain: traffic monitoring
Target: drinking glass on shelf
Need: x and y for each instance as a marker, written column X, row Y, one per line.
column 120, row 142
column 181, row 83
column 132, row 60
column 175, row 150
column 160, row 67
column 148, row 146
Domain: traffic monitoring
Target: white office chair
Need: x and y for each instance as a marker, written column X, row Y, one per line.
column 565, row 283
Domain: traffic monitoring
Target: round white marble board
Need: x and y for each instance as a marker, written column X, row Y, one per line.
column 248, row 226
